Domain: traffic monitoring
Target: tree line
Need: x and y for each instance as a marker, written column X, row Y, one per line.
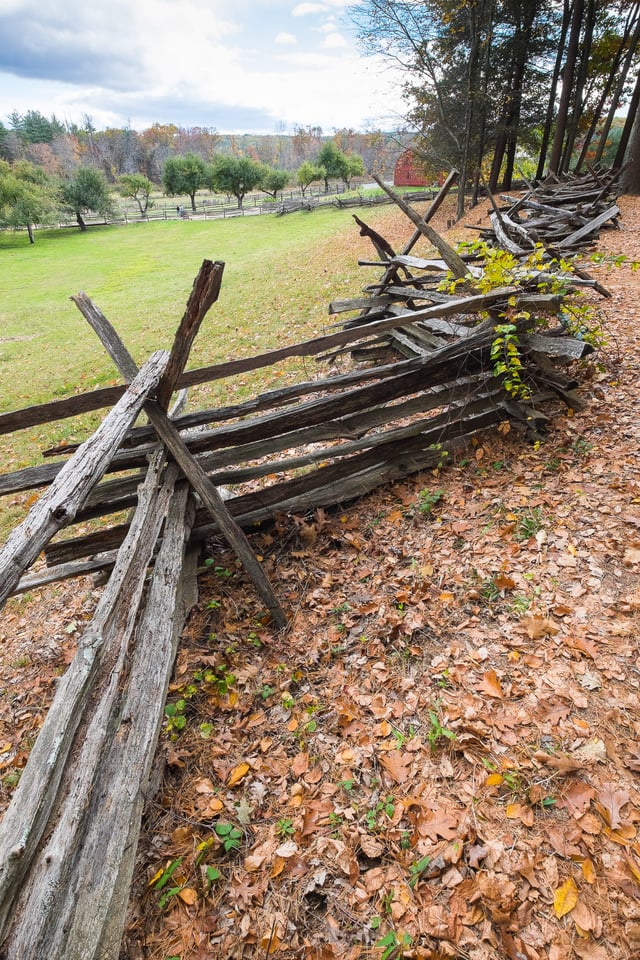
column 490, row 82
column 30, row 195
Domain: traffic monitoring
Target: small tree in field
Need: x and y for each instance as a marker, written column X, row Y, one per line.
column 273, row 181
column 138, row 187
column 235, row 176
column 339, row 165
column 307, row 174
column 184, row 175
column 26, row 196
column 87, row 190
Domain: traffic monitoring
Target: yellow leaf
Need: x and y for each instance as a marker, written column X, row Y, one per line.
column 633, row 866
column 188, row 895
column 565, row 898
column 237, row 774
column 155, row 877
column 588, row 871
column 494, row 780
column 446, row 597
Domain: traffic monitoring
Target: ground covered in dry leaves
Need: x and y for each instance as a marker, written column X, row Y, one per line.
column 440, row 757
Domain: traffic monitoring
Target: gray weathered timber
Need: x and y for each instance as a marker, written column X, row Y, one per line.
column 58, row 410
column 58, row 505
column 103, row 646
column 73, row 903
column 455, row 263
column 170, row 436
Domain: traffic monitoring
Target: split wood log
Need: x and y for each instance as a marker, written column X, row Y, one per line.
column 29, row 416
column 170, row 436
column 451, row 258
column 58, row 505
column 73, row 904
column 31, row 476
column 46, row 782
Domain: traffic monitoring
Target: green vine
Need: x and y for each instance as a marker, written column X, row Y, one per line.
column 550, row 276
column 505, row 354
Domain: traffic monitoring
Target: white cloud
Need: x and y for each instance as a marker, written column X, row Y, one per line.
column 328, row 27
column 286, row 39
column 334, row 41
column 304, row 9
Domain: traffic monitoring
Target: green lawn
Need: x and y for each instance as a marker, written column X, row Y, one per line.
column 280, row 274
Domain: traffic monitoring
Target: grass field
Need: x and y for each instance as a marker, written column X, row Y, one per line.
column 280, row 274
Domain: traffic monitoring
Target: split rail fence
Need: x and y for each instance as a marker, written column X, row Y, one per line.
column 420, row 382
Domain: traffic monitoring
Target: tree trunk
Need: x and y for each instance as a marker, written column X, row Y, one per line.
column 631, row 177
column 567, row 86
column 546, row 136
column 578, row 99
column 81, row 222
column 632, row 117
column 32, row 239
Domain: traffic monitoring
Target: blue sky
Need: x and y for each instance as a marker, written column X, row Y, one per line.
column 241, row 66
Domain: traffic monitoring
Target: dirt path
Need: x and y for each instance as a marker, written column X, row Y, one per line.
column 441, row 757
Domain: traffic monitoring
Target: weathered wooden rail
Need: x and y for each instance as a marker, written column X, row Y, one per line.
column 312, row 444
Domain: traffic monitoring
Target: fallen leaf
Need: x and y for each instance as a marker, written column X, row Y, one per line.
column 538, row 627
column 520, row 811
column 372, row 847
column 633, row 865
column 631, row 557
column 397, row 765
column 287, row 849
column 611, row 800
column 491, row 685
column 577, row 798
column 188, row 895
column 565, row 898
column 588, row 871
column 237, row 774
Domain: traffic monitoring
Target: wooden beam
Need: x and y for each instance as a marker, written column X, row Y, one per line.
column 57, row 507
column 170, row 436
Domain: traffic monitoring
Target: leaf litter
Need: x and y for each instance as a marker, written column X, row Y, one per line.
column 439, row 757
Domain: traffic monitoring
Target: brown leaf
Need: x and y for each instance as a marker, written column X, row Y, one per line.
column 372, row 847
column 520, row 811
column 559, row 762
column 538, row 626
column 611, row 800
column 577, row 798
column 237, row 774
column 491, row 685
column 397, row 765
column 438, row 823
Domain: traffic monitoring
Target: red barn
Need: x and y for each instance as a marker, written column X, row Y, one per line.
column 407, row 173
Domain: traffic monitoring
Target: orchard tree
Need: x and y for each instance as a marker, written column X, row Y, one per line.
column 26, row 196
column 354, row 167
column 338, row 165
column 138, row 187
column 87, row 191
column 307, row 174
column 184, row 174
column 273, row 181
column 235, row 176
